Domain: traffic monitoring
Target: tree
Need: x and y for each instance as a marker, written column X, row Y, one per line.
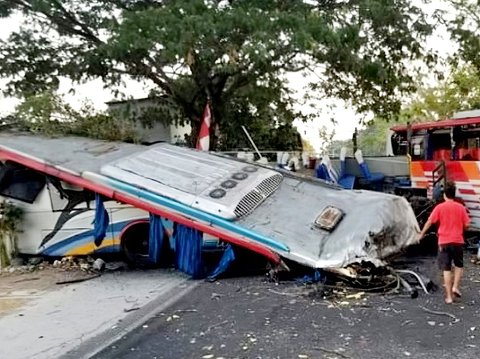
column 48, row 114
column 236, row 53
column 460, row 91
column 465, row 30
column 308, row 147
column 372, row 139
column 334, row 147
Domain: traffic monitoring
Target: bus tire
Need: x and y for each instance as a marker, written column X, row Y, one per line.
column 134, row 241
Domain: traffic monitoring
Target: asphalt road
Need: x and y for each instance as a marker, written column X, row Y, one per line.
column 250, row 318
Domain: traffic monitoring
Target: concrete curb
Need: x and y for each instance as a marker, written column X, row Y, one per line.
column 95, row 345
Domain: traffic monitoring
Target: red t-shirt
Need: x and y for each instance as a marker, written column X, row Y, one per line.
column 452, row 218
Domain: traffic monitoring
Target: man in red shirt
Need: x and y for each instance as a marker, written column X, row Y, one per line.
column 451, row 218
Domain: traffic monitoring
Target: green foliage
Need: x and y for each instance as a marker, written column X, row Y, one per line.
column 460, row 91
column 104, row 127
column 49, row 115
column 44, row 113
column 11, row 217
column 327, row 139
column 333, row 148
column 269, row 123
column 465, row 30
column 234, row 52
column 308, row 147
column 372, row 140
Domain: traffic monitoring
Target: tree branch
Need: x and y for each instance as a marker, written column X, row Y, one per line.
column 86, row 32
column 467, row 8
column 62, row 22
column 238, row 82
column 163, row 81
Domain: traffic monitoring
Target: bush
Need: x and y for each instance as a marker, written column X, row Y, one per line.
column 10, row 218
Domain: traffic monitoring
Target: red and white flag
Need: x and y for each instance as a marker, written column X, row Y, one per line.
column 203, row 141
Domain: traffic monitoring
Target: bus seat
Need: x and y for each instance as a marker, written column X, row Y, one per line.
column 326, row 172
column 468, row 154
column 442, row 155
column 374, row 180
column 345, row 180
column 475, row 154
column 343, row 156
column 322, row 173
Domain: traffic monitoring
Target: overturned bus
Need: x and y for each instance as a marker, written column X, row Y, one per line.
column 218, row 201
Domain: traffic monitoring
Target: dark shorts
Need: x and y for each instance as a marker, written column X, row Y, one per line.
column 449, row 253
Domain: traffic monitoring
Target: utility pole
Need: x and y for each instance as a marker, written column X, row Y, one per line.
column 354, row 140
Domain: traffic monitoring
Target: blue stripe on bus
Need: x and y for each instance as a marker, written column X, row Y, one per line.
column 69, row 243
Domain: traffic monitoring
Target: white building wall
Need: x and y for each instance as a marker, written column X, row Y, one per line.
column 159, row 131
column 178, row 132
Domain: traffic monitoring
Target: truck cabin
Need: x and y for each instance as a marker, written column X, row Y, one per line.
column 456, row 139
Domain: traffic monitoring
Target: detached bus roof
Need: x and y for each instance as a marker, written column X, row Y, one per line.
column 438, row 124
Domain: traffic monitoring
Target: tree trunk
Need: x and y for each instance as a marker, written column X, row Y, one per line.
column 213, row 126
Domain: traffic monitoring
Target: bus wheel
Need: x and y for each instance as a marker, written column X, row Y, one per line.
column 134, row 242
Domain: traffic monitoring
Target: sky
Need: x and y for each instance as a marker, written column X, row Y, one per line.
column 347, row 119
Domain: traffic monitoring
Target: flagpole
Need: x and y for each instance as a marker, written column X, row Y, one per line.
column 251, row 141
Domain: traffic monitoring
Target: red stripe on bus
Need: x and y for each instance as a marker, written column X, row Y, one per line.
column 467, row 191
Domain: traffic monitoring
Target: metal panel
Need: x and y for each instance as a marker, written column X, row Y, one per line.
column 197, row 179
column 374, row 226
column 75, row 154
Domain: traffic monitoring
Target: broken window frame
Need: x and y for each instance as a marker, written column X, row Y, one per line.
column 20, row 183
column 62, row 198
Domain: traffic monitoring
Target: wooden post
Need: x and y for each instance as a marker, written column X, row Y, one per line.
column 409, row 138
column 354, row 140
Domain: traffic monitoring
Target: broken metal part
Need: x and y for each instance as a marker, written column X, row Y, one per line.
column 78, row 280
column 413, row 292
column 417, row 276
column 365, row 277
column 274, row 272
column 348, row 272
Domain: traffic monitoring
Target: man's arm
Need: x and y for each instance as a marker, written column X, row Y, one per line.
column 432, row 219
column 425, row 229
column 466, row 220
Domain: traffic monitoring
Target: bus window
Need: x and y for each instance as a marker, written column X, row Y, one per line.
column 399, row 144
column 20, row 183
column 64, row 197
column 417, row 149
